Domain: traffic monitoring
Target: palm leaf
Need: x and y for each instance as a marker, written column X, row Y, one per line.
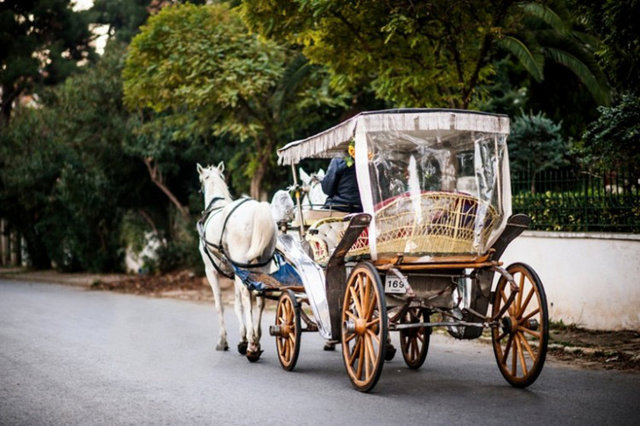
column 546, row 15
column 598, row 89
column 294, row 75
column 532, row 63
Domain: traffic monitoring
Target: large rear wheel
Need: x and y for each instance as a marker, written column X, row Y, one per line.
column 520, row 341
column 364, row 327
column 288, row 330
column 415, row 341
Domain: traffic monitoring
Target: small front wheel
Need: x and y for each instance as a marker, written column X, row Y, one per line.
column 364, row 327
column 521, row 337
column 288, row 330
column 415, row 341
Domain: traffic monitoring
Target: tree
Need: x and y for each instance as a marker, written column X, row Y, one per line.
column 613, row 140
column 28, row 172
column 535, row 145
column 429, row 53
column 65, row 181
column 123, row 17
column 202, row 73
column 41, row 43
column 615, row 21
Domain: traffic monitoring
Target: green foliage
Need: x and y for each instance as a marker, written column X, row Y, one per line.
column 613, row 140
column 535, row 145
column 28, row 172
column 202, row 73
column 577, row 211
column 41, row 42
column 508, row 92
column 181, row 251
column 64, row 174
column 123, row 17
column 196, row 62
column 616, row 22
column 412, row 54
column 429, row 53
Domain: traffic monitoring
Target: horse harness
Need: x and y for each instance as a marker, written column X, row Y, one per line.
column 217, row 250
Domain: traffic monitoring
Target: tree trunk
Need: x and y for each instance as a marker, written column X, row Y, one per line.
column 533, row 182
column 4, row 243
column 6, row 104
column 256, row 179
column 38, row 255
column 158, row 180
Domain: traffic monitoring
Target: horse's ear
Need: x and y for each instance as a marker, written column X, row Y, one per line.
column 221, row 166
column 304, row 177
column 320, row 173
column 199, row 168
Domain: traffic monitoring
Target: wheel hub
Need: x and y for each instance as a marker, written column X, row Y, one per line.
column 285, row 330
column 532, row 324
column 360, row 326
column 507, row 324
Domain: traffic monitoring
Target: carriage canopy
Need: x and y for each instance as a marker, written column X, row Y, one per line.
column 436, row 182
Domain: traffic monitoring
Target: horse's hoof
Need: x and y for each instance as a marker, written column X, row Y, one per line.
column 222, row 347
column 390, row 352
column 329, row 346
column 253, row 356
column 242, row 347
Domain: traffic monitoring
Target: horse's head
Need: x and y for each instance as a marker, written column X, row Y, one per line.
column 282, row 207
column 315, row 196
column 212, row 182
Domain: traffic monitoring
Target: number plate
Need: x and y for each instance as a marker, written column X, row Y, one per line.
column 393, row 284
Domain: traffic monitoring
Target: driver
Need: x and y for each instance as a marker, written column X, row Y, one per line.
column 340, row 184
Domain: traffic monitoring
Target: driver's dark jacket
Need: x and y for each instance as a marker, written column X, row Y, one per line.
column 341, row 186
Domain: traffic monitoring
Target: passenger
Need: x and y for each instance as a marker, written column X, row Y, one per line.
column 341, row 185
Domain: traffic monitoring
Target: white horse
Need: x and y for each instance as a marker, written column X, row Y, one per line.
column 244, row 231
column 314, row 197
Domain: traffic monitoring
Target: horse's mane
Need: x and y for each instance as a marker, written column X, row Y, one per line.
column 219, row 181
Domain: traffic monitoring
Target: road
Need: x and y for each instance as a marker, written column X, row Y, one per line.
column 72, row 356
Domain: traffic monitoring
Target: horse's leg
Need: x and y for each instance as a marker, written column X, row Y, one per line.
column 258, row 325
column 212, row 276
column 237, row 305
column 253, row 349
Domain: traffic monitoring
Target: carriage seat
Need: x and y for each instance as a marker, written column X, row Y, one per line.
column 311, row 216
column 323, row 236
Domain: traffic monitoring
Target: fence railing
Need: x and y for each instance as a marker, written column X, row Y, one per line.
column 572, row 200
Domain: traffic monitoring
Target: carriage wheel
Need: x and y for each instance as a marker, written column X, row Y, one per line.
column 364, row 327
column 520, row 340
column 415, row 341
column 288, row 326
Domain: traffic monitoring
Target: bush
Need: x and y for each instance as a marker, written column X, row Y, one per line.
column 579, row 211
column 535, row 145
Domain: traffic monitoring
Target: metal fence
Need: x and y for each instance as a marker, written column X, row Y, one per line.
column 578, row 201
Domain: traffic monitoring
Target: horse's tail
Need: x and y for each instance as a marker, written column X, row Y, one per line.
column 263, row 234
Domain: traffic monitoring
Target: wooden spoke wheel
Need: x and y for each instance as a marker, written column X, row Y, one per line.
column 414, row 342
column 520, row 341
column 288, row 330
column 364, row 327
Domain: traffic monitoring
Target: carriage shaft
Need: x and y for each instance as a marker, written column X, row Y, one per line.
column 437, row 324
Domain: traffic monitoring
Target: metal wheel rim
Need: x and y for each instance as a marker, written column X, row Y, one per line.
column 519, row 349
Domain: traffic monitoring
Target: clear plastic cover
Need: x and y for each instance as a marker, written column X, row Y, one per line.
column 436, row 182
column 435, row 193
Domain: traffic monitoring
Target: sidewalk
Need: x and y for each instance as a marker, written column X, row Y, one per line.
column 587, row 348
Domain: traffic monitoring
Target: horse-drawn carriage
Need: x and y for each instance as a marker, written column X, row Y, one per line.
column 436, row 197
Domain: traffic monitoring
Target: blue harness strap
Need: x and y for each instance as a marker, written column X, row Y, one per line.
column 284, row 276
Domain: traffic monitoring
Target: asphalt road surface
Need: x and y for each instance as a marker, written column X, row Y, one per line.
column 71, row 356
